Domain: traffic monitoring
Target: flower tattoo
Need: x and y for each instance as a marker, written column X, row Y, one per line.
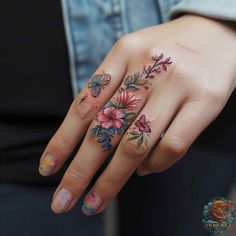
column 97, row 83
column 119, row 112
column 141, row 130
column 111, row 117
column 127, row 100
column 137, row 80
column 143, row 125
column 114, row 118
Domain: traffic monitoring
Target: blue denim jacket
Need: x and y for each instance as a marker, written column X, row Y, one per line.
column 93, row 26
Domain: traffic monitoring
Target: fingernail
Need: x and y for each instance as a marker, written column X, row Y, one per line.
column 143, row 172
column 61, row 201
column 91, row 204
column 47, row 165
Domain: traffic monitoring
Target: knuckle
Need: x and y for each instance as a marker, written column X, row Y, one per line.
column 131, row 149
column 59, row 141
column 214, row 98
column 107, row 185
column 77, row 175
column 217, row 95
column 125, row 42
column 175, row 146
column 148, row 53
column 84, row 111
column 180, row 74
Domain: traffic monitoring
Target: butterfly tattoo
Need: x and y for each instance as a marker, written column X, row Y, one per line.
column 98, row 82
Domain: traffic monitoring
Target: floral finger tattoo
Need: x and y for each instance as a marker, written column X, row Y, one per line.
column 115, row 118
column 118, row 114
column 140, row 132
column 137, row 80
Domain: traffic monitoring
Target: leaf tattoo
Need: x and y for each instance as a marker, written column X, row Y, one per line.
column 137, row 80
column 132, row 82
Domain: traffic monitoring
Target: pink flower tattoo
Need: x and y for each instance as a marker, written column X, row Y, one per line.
column 140, row 132
column 111, row 117
column 127, row 100
column 114, row 118
column 143, row 125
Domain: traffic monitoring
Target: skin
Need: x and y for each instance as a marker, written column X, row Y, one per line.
column 179, row 104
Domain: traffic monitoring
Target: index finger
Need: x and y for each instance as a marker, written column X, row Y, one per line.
column 91, row 99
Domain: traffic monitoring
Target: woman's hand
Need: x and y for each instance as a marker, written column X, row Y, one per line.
column 152, row 96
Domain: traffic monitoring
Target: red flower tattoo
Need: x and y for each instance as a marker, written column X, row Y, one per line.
column 144, row 129
column 127, row 100
column 111, row 117
column 143, row 125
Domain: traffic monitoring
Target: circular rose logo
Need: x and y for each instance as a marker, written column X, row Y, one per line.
column 218, row 216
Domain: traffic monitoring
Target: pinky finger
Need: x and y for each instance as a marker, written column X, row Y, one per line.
column 191, row 120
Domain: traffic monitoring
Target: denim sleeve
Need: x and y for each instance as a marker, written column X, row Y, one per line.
column 217, row 9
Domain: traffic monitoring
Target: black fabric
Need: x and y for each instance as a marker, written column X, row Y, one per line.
column 35, row 87
column 25, row 211
column 35, row 94
column 171, row 203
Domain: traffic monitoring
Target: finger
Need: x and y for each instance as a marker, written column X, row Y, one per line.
column 133, row 148
column 94, row 95
column 108, row 126
column 192, row 119
column 103, row 135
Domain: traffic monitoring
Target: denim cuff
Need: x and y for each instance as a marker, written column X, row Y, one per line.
column 217, row 9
